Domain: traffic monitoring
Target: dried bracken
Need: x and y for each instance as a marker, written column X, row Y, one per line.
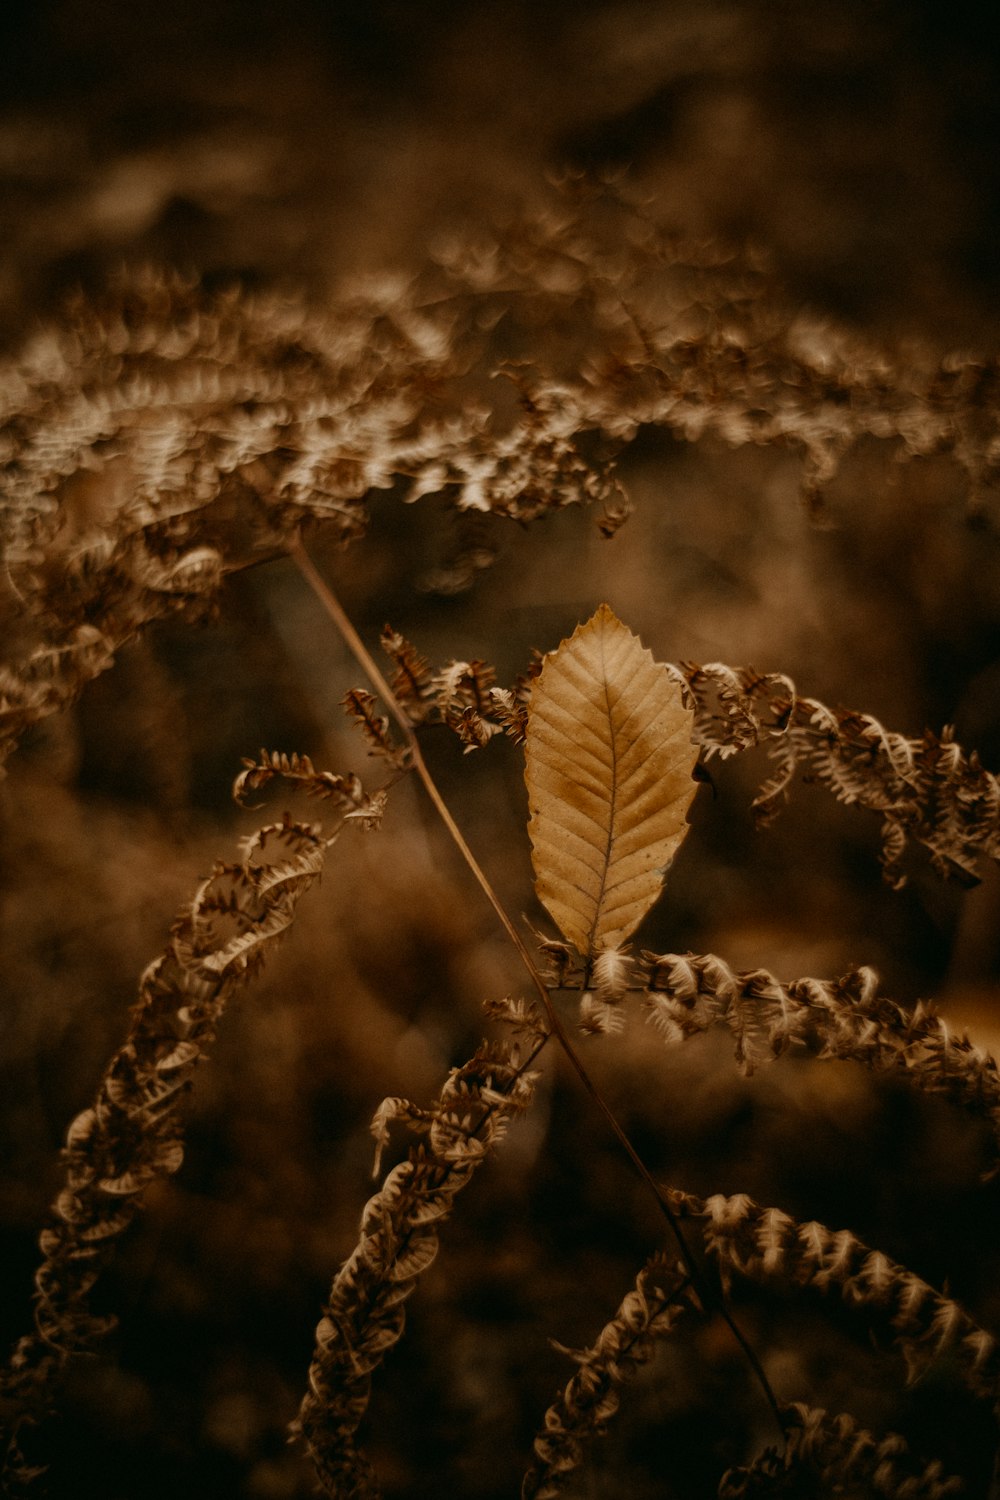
column 844, row 1018
column 345, row 792
column 835, row 1452
column 764, row 1243
column 365, row 1314
column 163, row 434
column 926, row 789
column 362, row 707
column 601, row 1008
column 521, row 1017
column 132, row 1134
column 413, row 681
column 582, row 1411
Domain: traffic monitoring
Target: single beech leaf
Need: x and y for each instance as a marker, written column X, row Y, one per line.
column 608, row 765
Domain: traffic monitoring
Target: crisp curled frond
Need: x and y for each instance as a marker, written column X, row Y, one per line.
column 365, row 1314
column 131, row 1135
column 835, row 1452
column 510, row 711
column 48, row 678
column 390, row 1111
column 463, row 700
column 610, row 974
column 411, row 682
column 137, row 428
column 362, row 707
column 601, row 1009
column 461, row 695
column 846, row 1018
column 561, row 965
column 762, row 1243
column 925, row 789
column 688, row 993
column 162, row 434
column 345, row 792
column 600, row 1017
column 582, row 1411
column 522, row 1017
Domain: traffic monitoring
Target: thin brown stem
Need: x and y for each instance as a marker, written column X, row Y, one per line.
column 338, row 615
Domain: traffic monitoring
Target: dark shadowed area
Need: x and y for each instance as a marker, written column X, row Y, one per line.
column 847, row 154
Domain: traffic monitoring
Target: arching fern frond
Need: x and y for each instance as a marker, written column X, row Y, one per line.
column 132, row 1134
column 846, row 1019
column 766, row 1243
column 398, row 1241
column 648, row 1313
column 834, row 1455
column 925, row 788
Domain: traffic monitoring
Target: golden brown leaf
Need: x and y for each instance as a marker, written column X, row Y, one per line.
column 608, row 762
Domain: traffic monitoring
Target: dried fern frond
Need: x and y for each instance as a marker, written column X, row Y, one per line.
column 462, row 700
column 522, row 1017
column 844, row 1018
column 412, row 682
column 362, row 707
column 926, row 789
column 649, row 1312
column 163, row 434
column 509, row 710
column 601, row 1008
column 847, row 1460
column 698, row 339
column 48, row 678
column 686, row 994
column 132, row 1134
column 765, row 1243
column 345, row 792
column 562, row 966
column 365, row 1314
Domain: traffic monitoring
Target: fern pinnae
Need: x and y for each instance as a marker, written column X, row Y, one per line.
column 835, row 1451
column 292, row 413
column 217, row 427
column 666, row 829
column 346, row 792
column 649, row 1312
column 764, row 1243
column 926, row 788
column 412, row 683
column 846, row 1019
column 400, row 1225
column 132, row 1133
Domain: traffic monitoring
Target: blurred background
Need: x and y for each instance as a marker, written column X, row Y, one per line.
column 853, row 144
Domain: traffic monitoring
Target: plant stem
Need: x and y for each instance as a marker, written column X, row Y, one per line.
column 338, row 615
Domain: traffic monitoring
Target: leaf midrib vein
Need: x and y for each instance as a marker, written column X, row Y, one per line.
column 609, row 841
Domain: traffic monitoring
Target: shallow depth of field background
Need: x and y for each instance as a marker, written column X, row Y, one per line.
column 856, row 145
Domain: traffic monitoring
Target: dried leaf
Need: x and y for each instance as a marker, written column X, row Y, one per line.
column 608, row 762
